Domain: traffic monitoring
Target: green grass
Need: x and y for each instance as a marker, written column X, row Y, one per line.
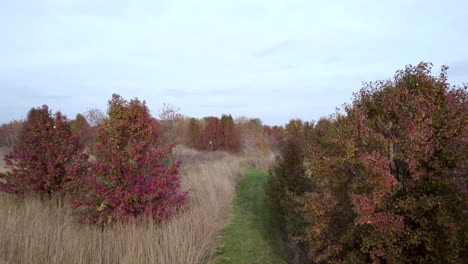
column 252, row 236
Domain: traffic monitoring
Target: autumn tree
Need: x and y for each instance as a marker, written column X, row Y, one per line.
column 81, row 127
column 300, row 130
column 179, row 131
column 387, row 175
column 194, row 133
column 275, row 136
column 288, row 181
column 128, row 178
column 212, row 136
column 95, row 117
column 169, row 116
column 46, row 157
column 169, row 113
column 230, row 135
column 9, row 133
column 253, row 138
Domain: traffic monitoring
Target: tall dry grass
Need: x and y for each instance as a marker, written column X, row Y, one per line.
column 35, row 231
column 3, row 152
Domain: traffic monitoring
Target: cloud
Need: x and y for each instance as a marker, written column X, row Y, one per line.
column 45, row 97
column 459, row 68
column 225, row 106
column 197, row 93
column 275, row 48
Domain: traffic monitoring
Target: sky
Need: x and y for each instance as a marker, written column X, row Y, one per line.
column 274, row 60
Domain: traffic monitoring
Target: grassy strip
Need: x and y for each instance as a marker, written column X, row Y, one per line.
column 252, row 236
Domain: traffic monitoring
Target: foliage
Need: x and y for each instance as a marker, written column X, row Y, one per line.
column 95, row 117
column 169, row 120
column 253, row 136
column 47, row 156
column 218, row 134
column 384, row 177
column 212, row 136
column 230, row 135
column 274, row 135
column 288, row 181
column 169, row 113
column 81, row 127
column 128, row 179
column 9, row 133
column 194, row 133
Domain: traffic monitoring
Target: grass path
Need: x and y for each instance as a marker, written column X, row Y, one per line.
column 252, row 236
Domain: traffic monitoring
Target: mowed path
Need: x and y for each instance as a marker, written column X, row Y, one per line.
column 252, row 236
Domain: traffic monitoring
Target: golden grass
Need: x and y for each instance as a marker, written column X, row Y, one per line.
column 35, row 231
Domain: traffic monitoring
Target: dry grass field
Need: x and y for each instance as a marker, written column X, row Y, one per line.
column 35, row 231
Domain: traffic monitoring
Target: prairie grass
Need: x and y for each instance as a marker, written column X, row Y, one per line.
column 46, row 231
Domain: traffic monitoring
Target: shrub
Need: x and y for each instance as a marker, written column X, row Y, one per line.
column 128, row 179
column 46, row 157
column 288, row 181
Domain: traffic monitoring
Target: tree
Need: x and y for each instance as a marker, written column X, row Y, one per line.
column 9, row 133
column 212, row 136
column 194, row 133
column 231, row 139
column 47, row 156
column 275, row 135
column 386, row 175
column 288, row 181
column 129, row 178
column 253, row 138
column 81, row 127
column 169, row 115
column 95, row 117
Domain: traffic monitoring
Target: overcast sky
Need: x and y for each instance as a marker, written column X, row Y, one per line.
column 270, row 59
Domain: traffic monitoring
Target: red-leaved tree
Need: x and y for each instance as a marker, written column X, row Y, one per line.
column 129, row 178
column 212, row 136
column 46, row 157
